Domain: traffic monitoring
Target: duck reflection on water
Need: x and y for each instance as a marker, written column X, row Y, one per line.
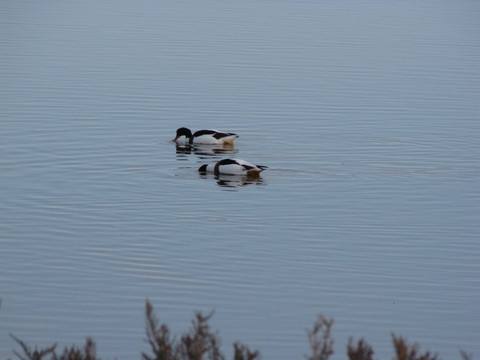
column 233, row 181
column 205, row 150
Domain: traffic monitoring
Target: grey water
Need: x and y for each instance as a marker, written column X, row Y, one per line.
column 366, row 113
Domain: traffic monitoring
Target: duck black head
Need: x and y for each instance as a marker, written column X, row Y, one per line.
column 183, row 131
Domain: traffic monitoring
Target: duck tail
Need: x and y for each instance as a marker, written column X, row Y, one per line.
column 230, row 139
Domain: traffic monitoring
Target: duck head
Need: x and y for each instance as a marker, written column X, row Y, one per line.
column 183, row 131
column 203, row 169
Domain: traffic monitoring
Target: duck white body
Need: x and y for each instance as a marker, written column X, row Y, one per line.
column 205, row 137
column 232, row 167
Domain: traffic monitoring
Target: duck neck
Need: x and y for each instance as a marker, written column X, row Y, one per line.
column 216, row 169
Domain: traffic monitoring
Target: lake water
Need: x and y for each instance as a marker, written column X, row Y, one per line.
column 367, row 114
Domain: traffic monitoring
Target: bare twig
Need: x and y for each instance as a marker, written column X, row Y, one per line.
column 320, row 339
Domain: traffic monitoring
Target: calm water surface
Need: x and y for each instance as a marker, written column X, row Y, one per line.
column 367, row 115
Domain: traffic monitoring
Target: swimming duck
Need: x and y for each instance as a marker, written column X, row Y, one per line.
column 233, row 167
column 211, row 137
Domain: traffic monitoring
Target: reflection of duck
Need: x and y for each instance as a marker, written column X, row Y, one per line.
column 205, row 150
column 233, row 167
column 233, row 181
column 205, row 136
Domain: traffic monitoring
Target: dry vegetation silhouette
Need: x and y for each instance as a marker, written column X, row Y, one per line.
column 200, row 343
